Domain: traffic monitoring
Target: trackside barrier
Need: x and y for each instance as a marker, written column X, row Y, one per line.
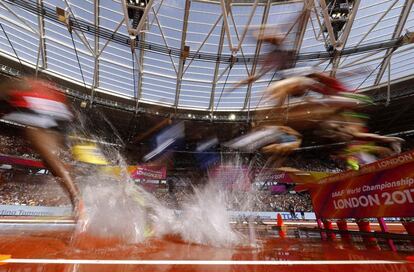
column 23, row 210
column 381, row 189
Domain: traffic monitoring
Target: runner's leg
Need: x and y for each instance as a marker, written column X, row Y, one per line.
column 46, row 144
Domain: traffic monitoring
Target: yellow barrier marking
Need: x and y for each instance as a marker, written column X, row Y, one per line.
column 3, row 258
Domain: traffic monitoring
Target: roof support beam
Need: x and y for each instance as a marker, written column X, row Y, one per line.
column 95, row 82
column 216, row 70
column 140, row 72
column 327, row 22
column 42, row 39
column 302, row 22
column 224, row 7
column 155, row 13
column 165, row 40
column 361, row 60
column 81, row 36
column 265, row 16
column 305, row 16
column 397, row 33
column 246, row 28
column 141, row 23
column 234, row 53
column 126, row 17
column 388, row 85
column 344, row 37
column 141, row 36
column 109, row 40
column 320, row 23
column 372, row 28
column 205, row 40
column 29, row 27
column 182, row 57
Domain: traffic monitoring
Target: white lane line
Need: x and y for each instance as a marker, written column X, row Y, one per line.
column 199, row 262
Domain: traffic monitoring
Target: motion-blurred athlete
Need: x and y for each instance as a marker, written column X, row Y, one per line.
column 280, row 140
column 276, row 59
column 362, row 146
column 41, row 108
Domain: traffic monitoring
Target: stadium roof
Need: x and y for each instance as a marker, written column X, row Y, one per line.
column 98, row 56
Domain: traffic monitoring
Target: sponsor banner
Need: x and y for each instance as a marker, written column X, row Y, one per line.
column 20, row 210
column 20, row 161
column 272, row 175
column 270, row 216
column 278, row 189
column 379, row 165
column 149, row 172
column 387, row 219
column 386, row 193
column 297, row 177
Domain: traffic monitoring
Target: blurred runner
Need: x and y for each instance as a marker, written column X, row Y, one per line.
column 277, row 59
column 166, row 139
column 362, row 147
column 360, row 153
column 299, row 85
column 332, row 85
column 279, row 140
column 88, row 153
column 294, row 86
column 42, row 109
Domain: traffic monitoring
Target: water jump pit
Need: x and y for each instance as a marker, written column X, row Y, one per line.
column 45, row 246
column 128, row 229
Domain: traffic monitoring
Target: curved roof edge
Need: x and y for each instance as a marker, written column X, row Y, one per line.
column 11, row 67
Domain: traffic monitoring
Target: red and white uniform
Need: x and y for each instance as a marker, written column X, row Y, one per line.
column 41, row 105
column 334, row 86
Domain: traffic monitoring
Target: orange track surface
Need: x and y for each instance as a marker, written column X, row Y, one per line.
column 60, row 245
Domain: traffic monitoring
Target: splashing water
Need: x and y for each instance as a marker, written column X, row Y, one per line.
column 203, row 219
column 110, row 211
column 118, row 208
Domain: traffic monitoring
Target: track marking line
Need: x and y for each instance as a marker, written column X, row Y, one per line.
column 200, row 262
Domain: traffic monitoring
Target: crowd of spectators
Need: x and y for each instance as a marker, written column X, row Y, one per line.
column 45, row 191
column 38, row 190
column 16, row 146
column 258, row 201
column 42, row 190
column 315, row 161
column 285, row 202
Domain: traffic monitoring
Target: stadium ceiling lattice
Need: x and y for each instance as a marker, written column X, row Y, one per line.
column 187, row 54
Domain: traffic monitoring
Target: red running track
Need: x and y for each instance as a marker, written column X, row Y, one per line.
column 55, row 250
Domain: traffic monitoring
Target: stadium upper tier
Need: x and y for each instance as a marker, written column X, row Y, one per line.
column 188, row 54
